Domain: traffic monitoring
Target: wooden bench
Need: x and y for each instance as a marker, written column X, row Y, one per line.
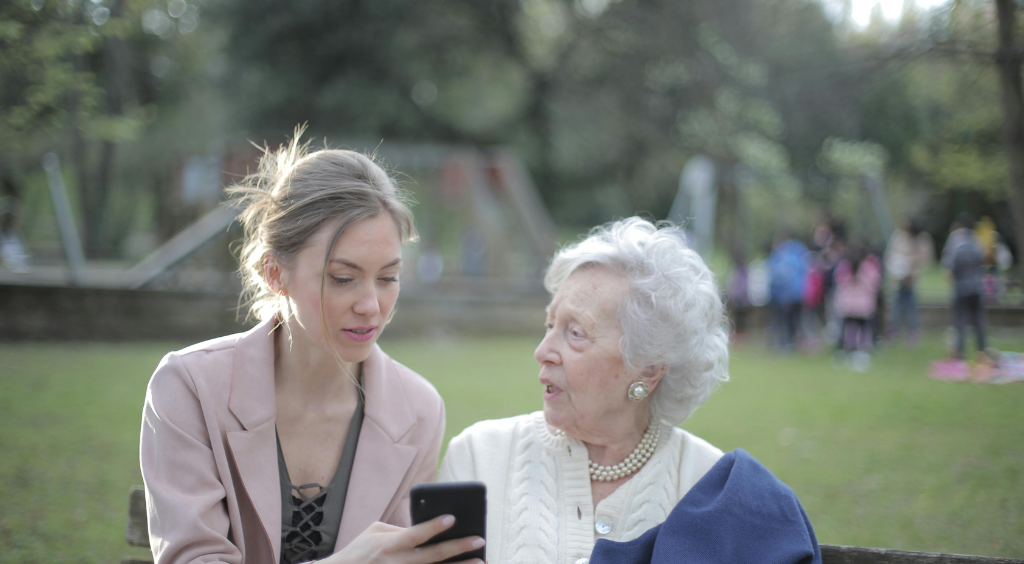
column 137, row 531
column 137, row 534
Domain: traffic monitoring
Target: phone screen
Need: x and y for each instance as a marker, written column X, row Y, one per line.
column 467, row 501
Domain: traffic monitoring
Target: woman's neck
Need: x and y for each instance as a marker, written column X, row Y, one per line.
column 612, row 447
column 307, row 368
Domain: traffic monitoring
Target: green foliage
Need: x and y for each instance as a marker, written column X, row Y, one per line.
column 963, row 165
column 605, row 100
column 852, row 158
column 89, row 80
column 961, row 146
column 937, row 109
column 46, row 82
column 888, row 111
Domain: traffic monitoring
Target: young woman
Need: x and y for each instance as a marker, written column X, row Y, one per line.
column 300, row 439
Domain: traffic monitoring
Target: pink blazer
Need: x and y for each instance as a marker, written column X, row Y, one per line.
column 209, row 452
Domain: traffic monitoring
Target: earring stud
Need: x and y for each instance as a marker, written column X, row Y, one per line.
column 638, row 391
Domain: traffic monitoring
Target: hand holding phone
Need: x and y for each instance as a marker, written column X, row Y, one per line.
column 466, row 501
column 382, row 543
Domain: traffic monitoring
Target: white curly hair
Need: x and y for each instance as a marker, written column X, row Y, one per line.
column 672, row 315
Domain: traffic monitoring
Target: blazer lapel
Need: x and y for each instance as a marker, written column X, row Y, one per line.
column 381, row 462
column 254, row 450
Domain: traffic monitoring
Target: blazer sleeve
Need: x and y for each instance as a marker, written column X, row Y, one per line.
column 424, row 471
column 185, row 498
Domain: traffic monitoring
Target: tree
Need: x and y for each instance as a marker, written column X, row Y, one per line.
column 962, row 142
column 78, row 76
column 1009, row 59
column 598, row 96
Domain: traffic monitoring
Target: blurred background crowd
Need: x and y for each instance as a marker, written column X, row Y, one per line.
column 851, row 295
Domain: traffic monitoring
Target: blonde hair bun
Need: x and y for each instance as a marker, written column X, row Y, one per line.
column 292, row 194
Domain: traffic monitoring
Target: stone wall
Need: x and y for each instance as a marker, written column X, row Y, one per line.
column 46, row 313
column 34, row 313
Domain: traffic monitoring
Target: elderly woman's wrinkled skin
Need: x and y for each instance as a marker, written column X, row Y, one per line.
column 583, row 373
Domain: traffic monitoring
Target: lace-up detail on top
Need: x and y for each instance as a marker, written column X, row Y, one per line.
column 310, row 523
column 301, row 539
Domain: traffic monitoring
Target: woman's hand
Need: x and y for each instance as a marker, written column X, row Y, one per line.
column 381, row 543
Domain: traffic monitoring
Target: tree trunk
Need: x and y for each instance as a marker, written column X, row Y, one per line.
column 93, row 177
column 103, row 226
column 10, row 214
column 80, row 157
column 730, row 222
column 80, row 164
column 539, row 116
column 1008, row 61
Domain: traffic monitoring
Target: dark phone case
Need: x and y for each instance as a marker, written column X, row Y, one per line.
column 467, row 501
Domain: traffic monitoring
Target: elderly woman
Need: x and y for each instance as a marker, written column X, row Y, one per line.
column 636, row 341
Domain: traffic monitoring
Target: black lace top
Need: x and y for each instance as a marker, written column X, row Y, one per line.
column 309, row 523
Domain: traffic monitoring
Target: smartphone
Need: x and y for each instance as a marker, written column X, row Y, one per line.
column 467, row 501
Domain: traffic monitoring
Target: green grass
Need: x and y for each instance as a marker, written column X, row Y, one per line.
column 889, row 458
column 69, row 433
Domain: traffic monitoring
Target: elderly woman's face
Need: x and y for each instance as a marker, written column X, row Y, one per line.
column 581, row 366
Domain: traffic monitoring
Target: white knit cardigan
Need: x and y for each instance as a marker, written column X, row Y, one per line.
column 539, row 504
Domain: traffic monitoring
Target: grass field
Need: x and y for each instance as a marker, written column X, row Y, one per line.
column 889, row 458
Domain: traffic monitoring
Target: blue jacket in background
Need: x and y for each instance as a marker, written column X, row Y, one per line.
column 738, row 513
column 787, row 268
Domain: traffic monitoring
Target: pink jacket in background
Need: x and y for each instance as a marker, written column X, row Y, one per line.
column 209, row 451
column 857, row 292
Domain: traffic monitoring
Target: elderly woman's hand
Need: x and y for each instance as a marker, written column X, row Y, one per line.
column 381, row 543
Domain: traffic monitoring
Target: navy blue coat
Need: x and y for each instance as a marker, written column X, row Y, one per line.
column 738, row 513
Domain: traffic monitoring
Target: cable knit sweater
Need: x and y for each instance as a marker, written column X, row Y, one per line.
column 539, row 504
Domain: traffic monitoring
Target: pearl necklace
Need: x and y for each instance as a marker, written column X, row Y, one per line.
column 634, row 462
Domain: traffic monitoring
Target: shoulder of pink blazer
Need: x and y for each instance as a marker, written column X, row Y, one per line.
column 197, row 377
column 406, row 394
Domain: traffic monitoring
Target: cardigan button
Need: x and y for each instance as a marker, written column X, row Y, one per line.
column 602, row 527
column 583, row 561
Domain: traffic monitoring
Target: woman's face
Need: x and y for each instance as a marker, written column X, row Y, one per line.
column 360, row 285
column 581, row 367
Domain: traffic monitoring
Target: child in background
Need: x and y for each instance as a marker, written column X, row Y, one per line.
column 787, row 267
column 833, row 253
column 814, row 301
column 858, row 280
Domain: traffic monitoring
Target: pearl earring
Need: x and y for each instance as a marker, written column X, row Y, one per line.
column 638, row 391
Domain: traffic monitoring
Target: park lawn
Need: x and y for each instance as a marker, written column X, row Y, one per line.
column 889, row 458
